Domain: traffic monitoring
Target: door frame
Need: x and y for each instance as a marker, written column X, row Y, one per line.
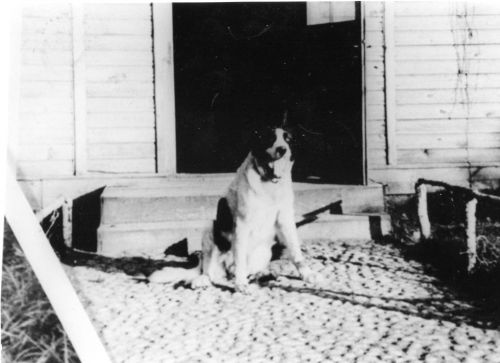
column 164, row 89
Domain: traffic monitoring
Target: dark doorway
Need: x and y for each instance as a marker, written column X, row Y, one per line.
column 238, row 65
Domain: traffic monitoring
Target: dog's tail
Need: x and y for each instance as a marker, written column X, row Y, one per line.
column 176, row 274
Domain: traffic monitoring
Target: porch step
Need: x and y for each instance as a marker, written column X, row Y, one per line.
column 130, row 239
column 198, row 201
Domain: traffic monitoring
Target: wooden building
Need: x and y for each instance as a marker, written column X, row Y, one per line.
column 98, row 91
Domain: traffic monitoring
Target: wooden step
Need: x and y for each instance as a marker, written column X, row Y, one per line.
column 198, row 201
column 132, row 239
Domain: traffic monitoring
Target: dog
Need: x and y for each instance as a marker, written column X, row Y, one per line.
column 256, row 212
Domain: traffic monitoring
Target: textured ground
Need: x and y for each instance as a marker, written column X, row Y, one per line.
column 375, row 307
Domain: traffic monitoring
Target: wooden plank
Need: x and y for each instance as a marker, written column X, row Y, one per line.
column 376, row 127
column 30, row 89
column 46, row 10
column 375, row 53
column 120, row 120
column 53, row 120
column 52, row 276
column 124, row 11
column 374, row 24
column 118, row 42
column 446, row 52
column 376, row 157
column 376, row 97
column 422, row 156
column 54, row 58
column 109, row 73
column 119, row 58
column 113, row 26
column 30, row 152
column 46, row 42
column 123, row 166
column 42, row 135
column 132, row 135
column 375, row 112
column 390, row 82
column 122, row 151
column 403, row 180
column 442, row 22
column 448, row 141
column 456, row 125
column 374, row 38
column 44, row 168
column 123, row 89
column 374, row 9
column 46, row 73
column 376, row 141
column 448, row 36
column 374, row 67
column 444, row 8
column 47, row 105
column 375, row 82
column 447, row 111
column 444, row 81
column 120, row 105
column 436, row 96
column 164, row 89
column 478, row 66
column 47, row 25
column 80, row 91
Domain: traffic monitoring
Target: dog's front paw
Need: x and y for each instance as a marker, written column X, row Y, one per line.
column 201, row 282
column 311, row 277
column 242, row 286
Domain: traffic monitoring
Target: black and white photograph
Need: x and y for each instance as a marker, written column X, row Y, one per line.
column 252, row 182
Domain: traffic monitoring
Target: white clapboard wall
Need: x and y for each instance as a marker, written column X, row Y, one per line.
column 447, row 92
column 45, row 131
column 112, row 79
column 119, row 80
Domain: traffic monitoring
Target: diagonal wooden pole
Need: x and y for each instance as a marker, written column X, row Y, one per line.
column 51, row 275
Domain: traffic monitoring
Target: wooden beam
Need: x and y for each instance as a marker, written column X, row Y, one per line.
column 423, row 215
column 390, row 83
column 470, row 221
column 51, row 275
column 79, row 89
column 163, row 44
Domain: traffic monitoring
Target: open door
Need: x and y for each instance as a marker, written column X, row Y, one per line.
column 238, row 64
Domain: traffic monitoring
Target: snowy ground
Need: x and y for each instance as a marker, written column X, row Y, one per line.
column 375, row 307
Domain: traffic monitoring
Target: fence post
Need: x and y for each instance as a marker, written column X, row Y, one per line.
column 470, row 218
column 423, row 216
column 67, row 222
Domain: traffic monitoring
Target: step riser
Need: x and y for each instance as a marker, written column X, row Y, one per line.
column 116, row 210
column 155, row 241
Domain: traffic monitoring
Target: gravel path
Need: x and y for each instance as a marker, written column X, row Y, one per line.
column 375, row 307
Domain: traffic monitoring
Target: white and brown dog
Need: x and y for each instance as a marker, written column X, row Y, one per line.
column 256, row 212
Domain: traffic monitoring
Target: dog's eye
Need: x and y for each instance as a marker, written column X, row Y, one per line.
column 287, row 137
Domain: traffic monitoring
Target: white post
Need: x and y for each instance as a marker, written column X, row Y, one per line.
column 51, row 275
column 390, row 82
column 470, row 219
column 67, row 222
column 166, row 147
column 423, row 216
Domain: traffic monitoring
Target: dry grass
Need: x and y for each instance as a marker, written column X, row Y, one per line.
column 31, row 331
column 445, row 252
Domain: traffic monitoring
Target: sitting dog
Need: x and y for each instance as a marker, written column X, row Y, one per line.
column 256, row 212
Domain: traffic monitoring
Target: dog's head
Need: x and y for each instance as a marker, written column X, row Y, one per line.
column 272, row 151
